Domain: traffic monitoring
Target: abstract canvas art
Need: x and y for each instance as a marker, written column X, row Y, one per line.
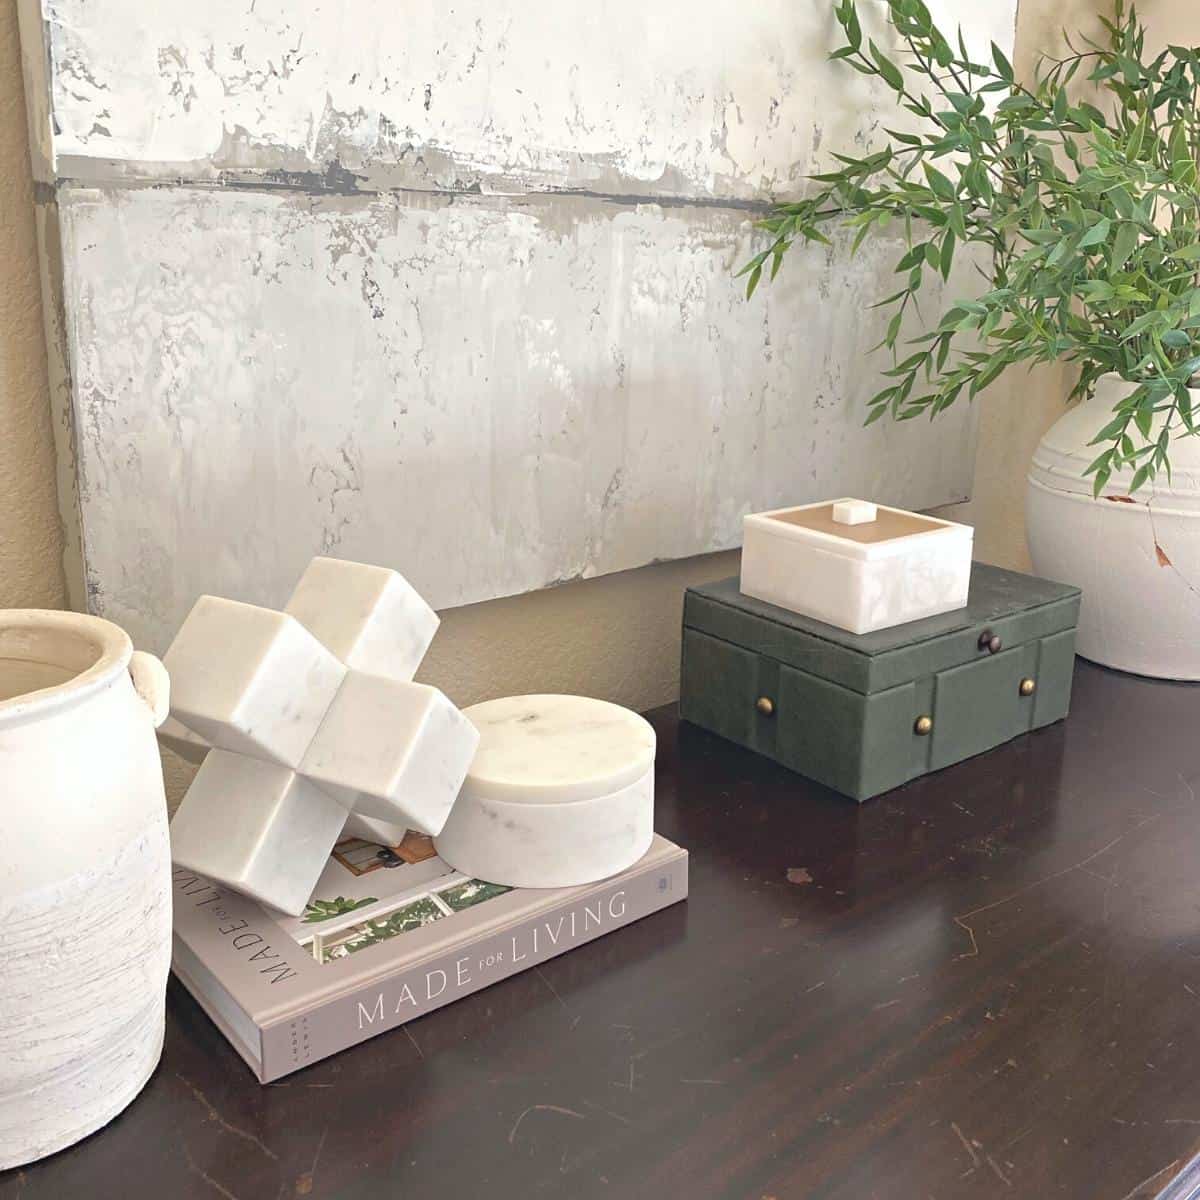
column 306, row 264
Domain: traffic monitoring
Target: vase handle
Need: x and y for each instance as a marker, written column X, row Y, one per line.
column 152, row 684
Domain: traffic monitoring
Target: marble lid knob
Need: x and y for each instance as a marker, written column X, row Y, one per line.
column 854, row 512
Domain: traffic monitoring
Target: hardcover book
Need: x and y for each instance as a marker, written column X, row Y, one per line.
column 389, row 933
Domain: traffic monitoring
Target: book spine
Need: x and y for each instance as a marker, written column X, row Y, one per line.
column 386, row 1004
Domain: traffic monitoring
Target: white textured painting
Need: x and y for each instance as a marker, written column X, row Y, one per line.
column 449, row 290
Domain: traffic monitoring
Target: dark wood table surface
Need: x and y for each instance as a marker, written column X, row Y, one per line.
column 984, row 984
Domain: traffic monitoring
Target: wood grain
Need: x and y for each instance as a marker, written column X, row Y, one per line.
column 985, row 984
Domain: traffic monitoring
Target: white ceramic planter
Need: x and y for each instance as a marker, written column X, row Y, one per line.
column 1137, row 558
column 560, row 793
column 85, row 888
column 857, row 566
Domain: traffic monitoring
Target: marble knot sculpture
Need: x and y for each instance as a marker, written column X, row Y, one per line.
column 307, row 721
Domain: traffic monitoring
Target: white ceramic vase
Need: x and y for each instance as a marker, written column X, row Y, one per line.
column 1137, row 558
column 85, row 895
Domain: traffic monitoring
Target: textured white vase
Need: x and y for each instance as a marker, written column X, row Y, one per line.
column 85, row 895
column 1137, row 558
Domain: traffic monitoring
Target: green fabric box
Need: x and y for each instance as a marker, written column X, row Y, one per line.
column 866, row 713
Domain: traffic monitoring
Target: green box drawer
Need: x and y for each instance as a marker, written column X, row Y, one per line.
column 864, row 714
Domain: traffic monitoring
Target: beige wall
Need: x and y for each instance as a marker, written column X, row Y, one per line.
column 31, row 574
column 615, row 637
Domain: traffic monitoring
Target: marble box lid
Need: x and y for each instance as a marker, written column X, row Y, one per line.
column 550, row 749
column 885, row 533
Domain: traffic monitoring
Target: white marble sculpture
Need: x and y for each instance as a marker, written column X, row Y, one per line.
column 312, row 721
column 561, row 792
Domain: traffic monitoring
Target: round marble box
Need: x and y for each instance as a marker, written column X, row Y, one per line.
column 561, row 792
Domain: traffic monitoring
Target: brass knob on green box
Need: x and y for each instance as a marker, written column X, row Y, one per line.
column 766, row 706
column 1028, row 686
column 923, row 726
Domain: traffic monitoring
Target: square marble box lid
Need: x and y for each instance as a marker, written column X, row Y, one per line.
column 856, row 529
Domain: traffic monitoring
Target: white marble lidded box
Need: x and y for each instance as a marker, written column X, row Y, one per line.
column 560, row 793
column 856, row 565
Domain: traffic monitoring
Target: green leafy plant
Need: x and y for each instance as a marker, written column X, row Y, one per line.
column 326, row 910
column 1087, row 213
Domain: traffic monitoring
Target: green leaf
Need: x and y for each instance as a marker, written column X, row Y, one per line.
column 1113, row 429
column 1185, row 409
column 988, row 375
column 1096, row 235
column 1143, row 324
column 1002, row 63
column 947, row 255
column 1096, row 291
column 1122, row 202
column 893, row 329
column 941, row 185
column 1064, row 247
column 756, row 261
column 942, row 54
column 888, row 70
column 1100, row 462
column 1133, row 146
column 1130, row 69
column 1180, row 151
column 1123, row 244
column 848, row 17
